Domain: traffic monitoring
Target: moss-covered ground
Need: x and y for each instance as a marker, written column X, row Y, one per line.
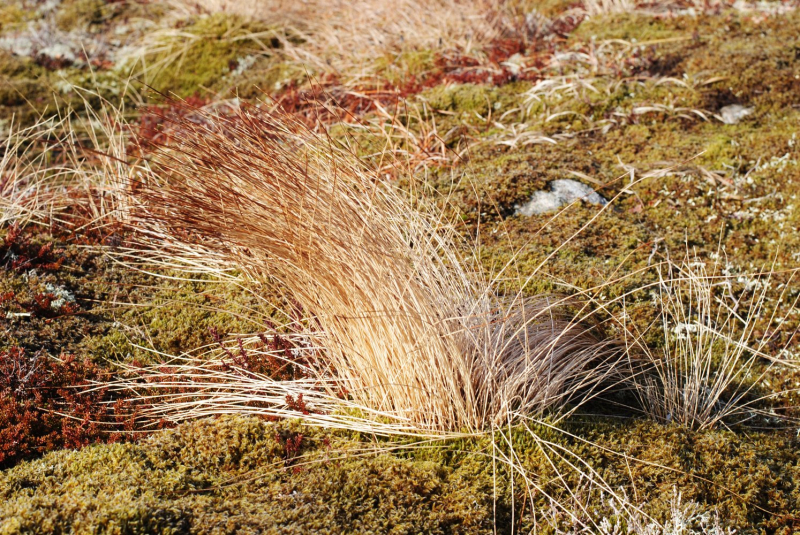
column 244, row 475
column 630, row 103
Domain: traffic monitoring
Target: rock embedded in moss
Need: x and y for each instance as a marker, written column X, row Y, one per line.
column 733, row 113
column 562, row 192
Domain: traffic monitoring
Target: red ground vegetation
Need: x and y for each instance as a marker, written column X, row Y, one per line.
column 45, row 404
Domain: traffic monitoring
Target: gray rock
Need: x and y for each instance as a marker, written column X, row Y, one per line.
column 562, row 192
column 733, row 113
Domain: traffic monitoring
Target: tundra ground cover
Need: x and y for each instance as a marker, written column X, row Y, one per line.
column 473, row 119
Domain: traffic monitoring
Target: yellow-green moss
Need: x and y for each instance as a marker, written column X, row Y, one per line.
column 396, row 68
column 174, row 317
column 750, row 210
column 234, row 473
column 630, row 27
column 18, row 83
column 78, row 14
column 268, row 75
column 461, row 98
column 96, row 15
column 13, row 16
column 121, row 308
column 29, row 92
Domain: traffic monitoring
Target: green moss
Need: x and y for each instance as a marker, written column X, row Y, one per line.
column 397, row 68
column 468, row 98
column 78, row 14
column 651, row 126
column 172, row 317
column 121, row 308
column 78, row 275
column 631, row 27
column 268, row 75
column 19, row 84
column 29, row 92
column 747, row 55
column 96, row 16
column 547, row 8
column 13, row 16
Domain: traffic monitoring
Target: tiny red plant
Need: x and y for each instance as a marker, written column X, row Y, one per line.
column 292, row 444
column 297, row 404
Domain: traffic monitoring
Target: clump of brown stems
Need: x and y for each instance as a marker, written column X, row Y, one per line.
column 392, row 314
column 711, row 362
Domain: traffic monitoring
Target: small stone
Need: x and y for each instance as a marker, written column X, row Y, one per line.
column 562, row 192
column 733, row 113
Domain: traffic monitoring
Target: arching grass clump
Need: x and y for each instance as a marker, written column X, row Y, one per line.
column 389, row 316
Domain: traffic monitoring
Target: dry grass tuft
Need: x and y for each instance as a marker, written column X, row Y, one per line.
column 712, row 360
column 399, row 321
column 66, row 169
column 25, row 195
column 339, row 33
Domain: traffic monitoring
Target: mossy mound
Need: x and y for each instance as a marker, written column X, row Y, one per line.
column 643, row 126
column 112, row 307
column 197, row 58
column 70, row 314
column 79, row 14
column 237, row 475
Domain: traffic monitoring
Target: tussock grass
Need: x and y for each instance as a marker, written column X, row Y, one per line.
column 400, row 320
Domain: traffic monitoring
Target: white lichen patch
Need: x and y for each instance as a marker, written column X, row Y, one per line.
column 62, row 296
